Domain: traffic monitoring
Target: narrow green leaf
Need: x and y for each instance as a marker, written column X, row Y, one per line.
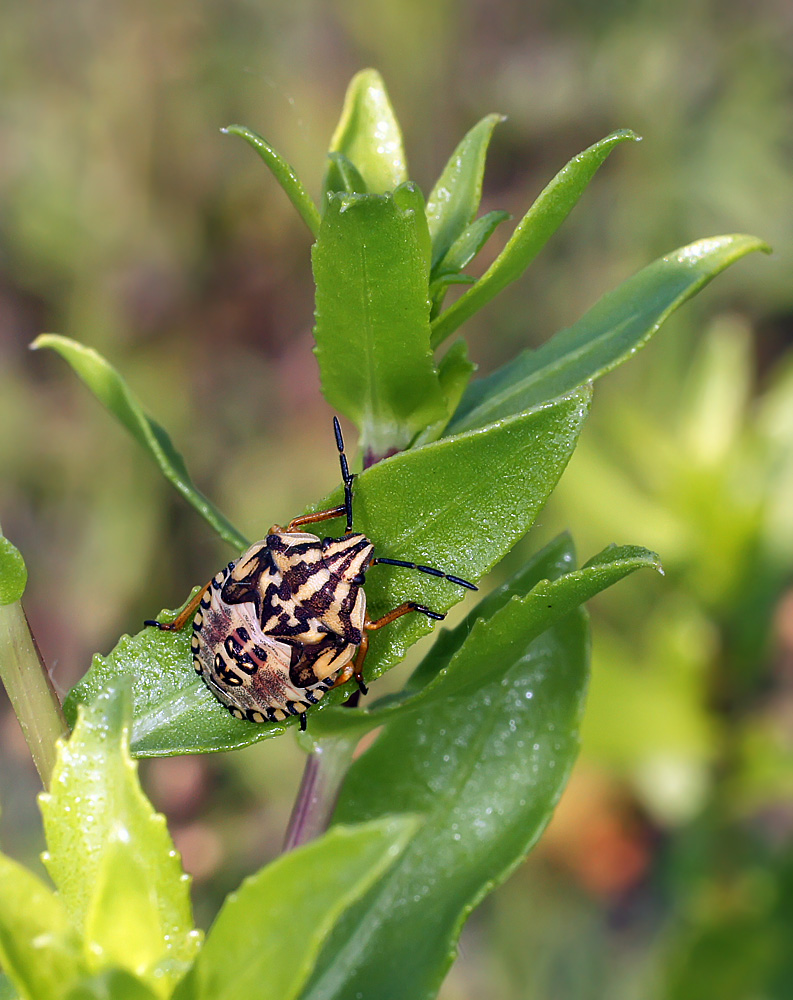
column 454, row 371
column 371, row 267
column 39, row 949
column 284, row 173
column 459, row 503
column 13, row 572
column 472, row 655
column 610, row 333
column 343, row 175
column 110, row 854
column 470, row 242
column 439, row 286
column 268, row 934
column 485, row 769
column 454, row 201
column 113, row 984
column 534, row 230
column 368, row 134
column 111, row 390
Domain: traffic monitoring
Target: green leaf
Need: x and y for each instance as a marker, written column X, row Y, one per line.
column 454, row 371
column 470, row 242
column 368, row 134
column 343, row 175
column 611, row 332
column 534, row 230
column 13, row 572
column 459, row 504
column 472, row 655
column 267, row 936
column 284, row 173
column 111, row 390
column 371, row 267
column 110, row 854
column 454, row 201
column 39, row 949
column 113, row 984
column 173, row 710
column 485, row 768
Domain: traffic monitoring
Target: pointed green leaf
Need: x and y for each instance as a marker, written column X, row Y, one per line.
column 13, row 572
column 111, row 390
column 611, row 332
column 485, row 769
column 39, row 949
column 459, row 504
column 368, row 134
column 454, row 371
column 266, row 938
column 472, row 655
column 284, row 173
column 548, row 212
column 454, row 200
column 110, row 854
column 371, row 267
column 343, row 176
column 470, row 242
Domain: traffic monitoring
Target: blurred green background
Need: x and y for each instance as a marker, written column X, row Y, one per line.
column 129, row 222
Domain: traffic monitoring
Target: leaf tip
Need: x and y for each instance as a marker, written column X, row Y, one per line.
column 43, row 340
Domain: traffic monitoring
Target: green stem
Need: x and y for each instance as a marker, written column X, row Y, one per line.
column 30, row 689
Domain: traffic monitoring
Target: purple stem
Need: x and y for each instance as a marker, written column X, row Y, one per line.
column 319, row 789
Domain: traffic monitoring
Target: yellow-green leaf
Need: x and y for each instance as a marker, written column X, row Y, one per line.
column 110, row 855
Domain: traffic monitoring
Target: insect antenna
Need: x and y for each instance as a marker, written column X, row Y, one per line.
column 425, row 569
column 346, row 475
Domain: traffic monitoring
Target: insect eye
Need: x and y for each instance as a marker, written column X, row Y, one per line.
column 359, row 580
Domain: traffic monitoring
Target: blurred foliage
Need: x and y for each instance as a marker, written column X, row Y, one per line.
column 129, row 222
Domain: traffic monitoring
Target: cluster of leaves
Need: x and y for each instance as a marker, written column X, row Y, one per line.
column 481, row 740
column 120, row 925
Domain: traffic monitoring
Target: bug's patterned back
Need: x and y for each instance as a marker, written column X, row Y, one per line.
column 303, row 587
column 277, row 625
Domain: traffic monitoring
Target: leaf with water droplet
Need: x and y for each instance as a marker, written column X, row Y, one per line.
column 110, row 855
column 461, row 761
column 39, row 949
column 264, row 942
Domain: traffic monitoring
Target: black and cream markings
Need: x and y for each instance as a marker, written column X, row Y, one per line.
column 287, row 621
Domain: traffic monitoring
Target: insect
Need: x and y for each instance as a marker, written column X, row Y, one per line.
column 287, row 621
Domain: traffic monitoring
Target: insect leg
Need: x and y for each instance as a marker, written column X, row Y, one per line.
column 403, row 609
column 355, row 669
column 179, row 623
column 371, row 626
column 321, row 515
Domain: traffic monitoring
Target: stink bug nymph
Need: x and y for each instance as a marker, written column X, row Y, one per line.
column 287, row 621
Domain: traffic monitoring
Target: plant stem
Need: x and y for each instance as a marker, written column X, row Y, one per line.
column 30, row 689
column 324, row 772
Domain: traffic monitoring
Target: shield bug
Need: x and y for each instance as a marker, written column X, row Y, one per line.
column 287, row 621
